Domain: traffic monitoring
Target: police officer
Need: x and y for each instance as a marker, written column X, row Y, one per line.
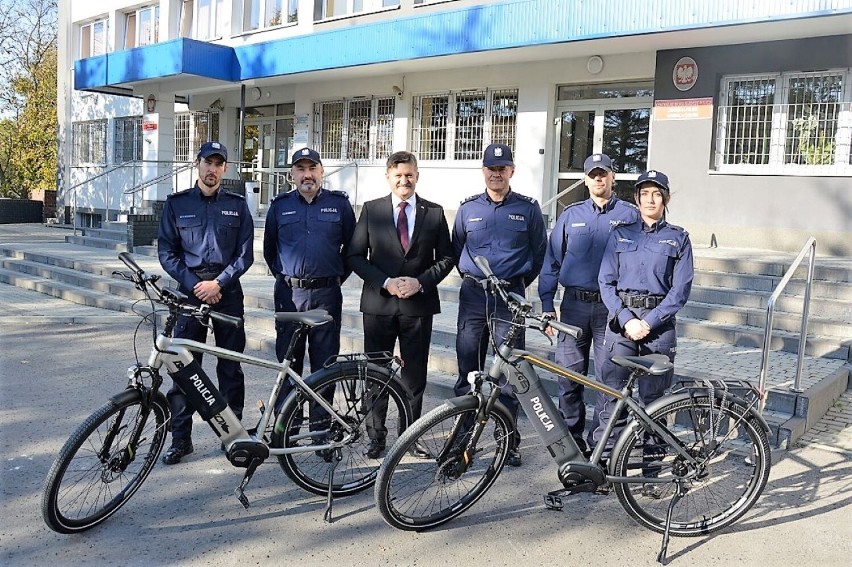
column 508, row 229
column 645, row 279
column 574, row 251
column 205, row 244
column 304, row 244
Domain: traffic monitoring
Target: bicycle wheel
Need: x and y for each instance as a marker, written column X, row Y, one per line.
column 733, row 454
column 418, row 494
column 357, row 395
column 100, row 466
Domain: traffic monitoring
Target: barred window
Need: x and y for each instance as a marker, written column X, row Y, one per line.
column 127, row 145
column 785, row 122
column 460, row 125
column 356, row 129
column 193, row 129
column 89, row 142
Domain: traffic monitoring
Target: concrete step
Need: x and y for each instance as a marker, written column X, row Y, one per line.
column 825, row 269
column 97, row 242
column 119, row 234
column 837, row 309
column 757, row 318
column 820, row 288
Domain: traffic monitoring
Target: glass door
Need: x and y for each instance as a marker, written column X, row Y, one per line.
column 612, row 119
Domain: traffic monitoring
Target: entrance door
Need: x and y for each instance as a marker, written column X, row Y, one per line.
column 617, row 125
column 267, row 143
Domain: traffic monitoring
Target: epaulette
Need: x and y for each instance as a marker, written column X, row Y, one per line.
column 232, row 194
column 282, row 196
column 471, row 198
column 178, row 193
column 525, row 198
column 629, row 204
column 574, row 204
column 678, row 228
column 339, row 193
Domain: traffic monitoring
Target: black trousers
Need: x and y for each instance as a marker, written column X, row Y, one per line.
column 228, row 372
column 415, row 335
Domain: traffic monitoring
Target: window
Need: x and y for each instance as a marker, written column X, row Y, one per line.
column 358, row 129
column 259, row 14
column 93, row 39
column 785, row 122
column 89, row 142
column 128, row 139
column 324, row 9
column 210, row 21
column 460, row 125
column 142, row 27
column 193, row 129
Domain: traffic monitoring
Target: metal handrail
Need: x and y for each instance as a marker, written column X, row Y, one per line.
column 288, row 178
column 770, row 312
column 162, row 177
column 561, row 193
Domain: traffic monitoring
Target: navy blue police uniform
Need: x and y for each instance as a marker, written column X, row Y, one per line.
column 511, row 234
column 207, row 238
column 304, row 245
column 646, row 273
column 574, row 252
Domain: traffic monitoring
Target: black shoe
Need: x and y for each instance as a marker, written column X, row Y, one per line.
column 177, row 451
column 514, row 458
column 375, row 449
column 419, row 451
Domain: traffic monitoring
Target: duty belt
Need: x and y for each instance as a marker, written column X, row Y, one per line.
column 583, row 295
column 646, row 301
column 312, row 283
column 479, row 281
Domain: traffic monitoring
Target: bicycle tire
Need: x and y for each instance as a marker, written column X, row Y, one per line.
column 352, row 385
column 419, row 494
column 735, row 471
column 83, row 488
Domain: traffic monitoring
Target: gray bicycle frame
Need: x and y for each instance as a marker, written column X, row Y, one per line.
column 176, row 353
column 547, row 421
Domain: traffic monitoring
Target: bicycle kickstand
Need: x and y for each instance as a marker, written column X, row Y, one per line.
column 239, row 491
column 336, row 458
column 680, row 492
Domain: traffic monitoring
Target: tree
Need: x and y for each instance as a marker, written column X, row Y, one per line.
column 28, row 121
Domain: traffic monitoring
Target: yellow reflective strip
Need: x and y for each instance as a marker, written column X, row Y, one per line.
column 564, row 372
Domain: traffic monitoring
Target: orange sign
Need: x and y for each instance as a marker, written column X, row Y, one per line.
column 683, row 109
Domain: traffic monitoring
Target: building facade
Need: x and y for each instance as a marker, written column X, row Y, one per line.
column 747, row 107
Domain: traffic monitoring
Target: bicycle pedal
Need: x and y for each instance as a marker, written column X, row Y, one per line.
column 553, row 501
column 241, row 496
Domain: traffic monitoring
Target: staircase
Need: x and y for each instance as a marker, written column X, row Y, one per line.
column 723, row 320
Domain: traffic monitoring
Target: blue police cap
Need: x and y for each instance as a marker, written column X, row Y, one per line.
column 308, row 154
column 658, row 178
column 208, row 149
column 597, row 161
column 497, row 155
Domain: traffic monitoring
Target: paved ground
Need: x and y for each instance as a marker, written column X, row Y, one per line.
column 53, row 374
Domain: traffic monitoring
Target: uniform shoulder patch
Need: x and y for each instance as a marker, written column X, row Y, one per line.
column 281, row 196
column 574, row 204
column 679, row 229
column 471, row 198
column 629, row 204
column 525, row 198
column 339, row 193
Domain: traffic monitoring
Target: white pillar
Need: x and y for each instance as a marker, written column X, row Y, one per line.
column 158, row 145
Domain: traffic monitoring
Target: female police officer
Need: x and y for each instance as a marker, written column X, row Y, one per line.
column 645, row 279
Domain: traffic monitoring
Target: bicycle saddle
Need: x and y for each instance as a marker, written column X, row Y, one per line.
column 312, row 318
column 654, row 364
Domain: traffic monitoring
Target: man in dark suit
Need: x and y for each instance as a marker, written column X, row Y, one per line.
column 402, row 250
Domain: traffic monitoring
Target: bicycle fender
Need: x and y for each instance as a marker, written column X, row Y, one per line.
column 629, row 430
column 131, row 394
column 471, row 402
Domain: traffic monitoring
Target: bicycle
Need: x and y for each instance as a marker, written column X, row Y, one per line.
column 318, row 432
column 703, row 446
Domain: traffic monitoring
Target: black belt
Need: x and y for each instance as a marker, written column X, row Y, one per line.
column 583, row 295
column 312, row 283
column 207, row 274
column 646, row 301
column 479, row 281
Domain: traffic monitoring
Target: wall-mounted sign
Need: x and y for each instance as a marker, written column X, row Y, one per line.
column 683, row 109
column 685, row 73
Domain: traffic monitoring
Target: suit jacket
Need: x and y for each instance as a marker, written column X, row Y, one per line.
column 376, row 254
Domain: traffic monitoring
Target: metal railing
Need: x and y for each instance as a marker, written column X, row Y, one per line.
column 770, row 312
column 288, row 178
column 562, row 193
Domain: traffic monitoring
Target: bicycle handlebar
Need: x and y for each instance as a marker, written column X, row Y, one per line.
column 173, row 298
column 521, row 303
